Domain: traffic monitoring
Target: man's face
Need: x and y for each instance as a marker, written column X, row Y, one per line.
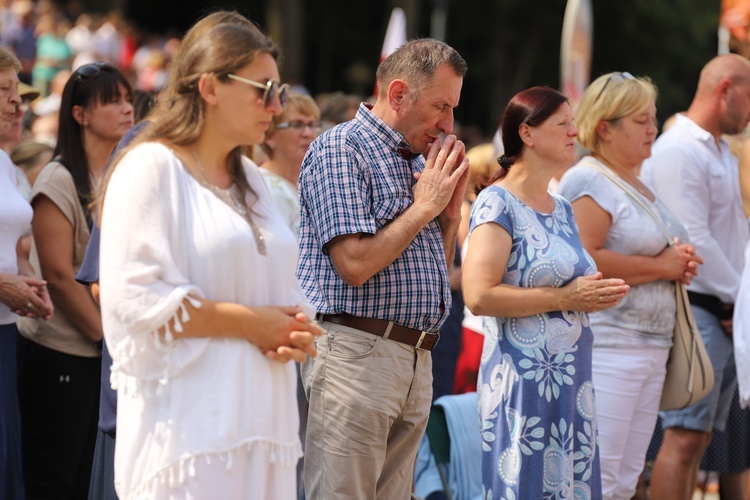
column 421, row 120
column 737, row 113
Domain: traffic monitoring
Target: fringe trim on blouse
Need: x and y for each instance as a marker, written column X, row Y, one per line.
column 285, row 454
column 152, row 342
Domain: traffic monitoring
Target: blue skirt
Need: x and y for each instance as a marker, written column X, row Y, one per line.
column 11, row 477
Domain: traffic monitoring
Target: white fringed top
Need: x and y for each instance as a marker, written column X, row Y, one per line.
column 164, row 236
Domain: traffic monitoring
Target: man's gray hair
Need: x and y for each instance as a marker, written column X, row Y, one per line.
column 416, row 62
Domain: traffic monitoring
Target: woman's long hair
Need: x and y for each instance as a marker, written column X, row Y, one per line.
column 89, row 85
column 179, row 116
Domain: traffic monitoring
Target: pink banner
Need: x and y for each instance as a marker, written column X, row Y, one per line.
column 575, row 50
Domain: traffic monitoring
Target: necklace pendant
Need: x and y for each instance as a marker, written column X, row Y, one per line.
column 234, row 198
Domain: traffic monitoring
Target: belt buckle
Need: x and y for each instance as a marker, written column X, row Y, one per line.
column 421, row 338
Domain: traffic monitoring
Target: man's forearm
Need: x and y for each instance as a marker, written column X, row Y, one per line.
column 449, row 228
column 358, row 257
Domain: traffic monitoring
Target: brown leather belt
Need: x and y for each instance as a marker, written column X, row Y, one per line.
column 385, row 329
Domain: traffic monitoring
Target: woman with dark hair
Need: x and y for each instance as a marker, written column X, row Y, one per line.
column 59, row 360
column 527, row 272
column 201, row 307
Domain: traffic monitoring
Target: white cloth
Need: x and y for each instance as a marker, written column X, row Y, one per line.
column 470, row 321
column 628, row 382
column 699, row 183
column 646, row 316
column 22, row 183
column 15, row 221
column 47, row 105
column 184, row 402
column 741, row 335
column 285, row 197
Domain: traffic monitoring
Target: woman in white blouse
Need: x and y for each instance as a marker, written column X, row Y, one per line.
column 20, row 292
column 285, row 145
column 631, row 341
column 200, row 304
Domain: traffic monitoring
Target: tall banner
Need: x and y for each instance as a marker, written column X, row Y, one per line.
column 734, row 26
column 575, row 50
column 395, row 36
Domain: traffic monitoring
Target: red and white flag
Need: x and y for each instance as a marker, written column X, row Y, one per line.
column 395, row 36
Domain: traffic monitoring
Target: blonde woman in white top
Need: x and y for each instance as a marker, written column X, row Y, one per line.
column 200, row 304
column 632, row 340
column 285, row 145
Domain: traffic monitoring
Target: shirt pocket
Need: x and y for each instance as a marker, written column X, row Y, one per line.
column 722, row 185
column 386, row 210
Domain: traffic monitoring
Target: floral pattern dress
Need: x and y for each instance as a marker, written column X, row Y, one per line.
column 536, row 398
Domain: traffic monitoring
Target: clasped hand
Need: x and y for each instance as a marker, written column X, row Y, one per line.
column 440, row 186
column 292, row 335
column 680, row 262
column 26, row 296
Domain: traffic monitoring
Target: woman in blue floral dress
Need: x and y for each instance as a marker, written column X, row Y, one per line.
column 528, row 274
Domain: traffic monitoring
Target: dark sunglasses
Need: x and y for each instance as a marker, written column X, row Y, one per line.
column 89, row 70
column 271, row 89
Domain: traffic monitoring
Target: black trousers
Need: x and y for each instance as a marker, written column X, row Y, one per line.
column 59, row 401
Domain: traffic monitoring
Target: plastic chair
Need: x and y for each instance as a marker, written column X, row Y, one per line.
column 440, row 443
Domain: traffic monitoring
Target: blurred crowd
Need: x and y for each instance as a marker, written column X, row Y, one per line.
column 50, row 45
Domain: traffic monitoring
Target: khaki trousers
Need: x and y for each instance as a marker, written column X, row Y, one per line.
column 369, row 403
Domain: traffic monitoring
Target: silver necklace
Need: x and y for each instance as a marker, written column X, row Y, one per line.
column 234, row 198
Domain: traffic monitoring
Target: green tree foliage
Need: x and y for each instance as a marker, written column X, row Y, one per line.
column 666, row 40
column 509, row 44
column 514, row 44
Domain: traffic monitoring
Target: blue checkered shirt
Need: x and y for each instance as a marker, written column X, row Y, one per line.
column 353, row 180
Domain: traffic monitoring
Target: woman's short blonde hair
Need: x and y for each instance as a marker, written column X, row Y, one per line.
column 300, row 103
column 8, row 60
column 609, row 98
column 482, row 164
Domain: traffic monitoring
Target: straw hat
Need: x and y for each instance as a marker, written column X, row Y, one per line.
column 27, row 91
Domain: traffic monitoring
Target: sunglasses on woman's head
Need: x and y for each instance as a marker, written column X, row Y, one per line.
column 89, row 70
column 270, row 89
column 617, row 77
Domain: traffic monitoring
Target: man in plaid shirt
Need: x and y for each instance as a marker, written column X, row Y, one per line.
column 378, row 230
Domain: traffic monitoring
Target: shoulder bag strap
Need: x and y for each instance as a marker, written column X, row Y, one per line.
column 622, row 185
column 680, row 291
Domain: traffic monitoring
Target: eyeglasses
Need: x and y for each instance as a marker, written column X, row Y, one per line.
column 300, row 126
column 618, row 77
column 270, row 90
column 89, row 70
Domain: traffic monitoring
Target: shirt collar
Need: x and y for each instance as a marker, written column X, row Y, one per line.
column 392, row 139
column 694, row 129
